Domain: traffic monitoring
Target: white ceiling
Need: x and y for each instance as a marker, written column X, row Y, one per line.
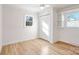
column 36, row 7
column 30, row 7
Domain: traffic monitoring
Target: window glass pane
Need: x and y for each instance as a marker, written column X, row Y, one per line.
column 72, row 19
column 72, row 16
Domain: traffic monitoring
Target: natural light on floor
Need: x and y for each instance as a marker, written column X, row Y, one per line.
column 45, row 50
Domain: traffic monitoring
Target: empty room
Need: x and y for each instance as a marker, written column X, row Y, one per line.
column 39, row 29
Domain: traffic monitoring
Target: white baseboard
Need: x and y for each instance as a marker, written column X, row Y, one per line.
column 13, row 42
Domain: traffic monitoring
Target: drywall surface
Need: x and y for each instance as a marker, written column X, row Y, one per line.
column 69, row 35
column 0, row 27
column 13, row 25
column 0, row 24
column 55, row 25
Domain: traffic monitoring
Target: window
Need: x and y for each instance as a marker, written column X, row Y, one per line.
column 70, row 19
column 29, row 20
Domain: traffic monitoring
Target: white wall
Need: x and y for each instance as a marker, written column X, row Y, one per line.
column 14, row 30
column 55, row 25
column 69, row 35
column 13, row 25
column 0, row 24
column 0, row 27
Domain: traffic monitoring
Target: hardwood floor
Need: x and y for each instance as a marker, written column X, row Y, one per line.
column 66, row 48
column 39, row 47
column 0, row 48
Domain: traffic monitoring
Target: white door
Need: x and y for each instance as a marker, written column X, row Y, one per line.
column 45, row 27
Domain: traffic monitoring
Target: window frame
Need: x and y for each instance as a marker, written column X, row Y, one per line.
column 65, row 21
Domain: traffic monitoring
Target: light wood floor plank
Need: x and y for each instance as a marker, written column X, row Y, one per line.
column 39, row 47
